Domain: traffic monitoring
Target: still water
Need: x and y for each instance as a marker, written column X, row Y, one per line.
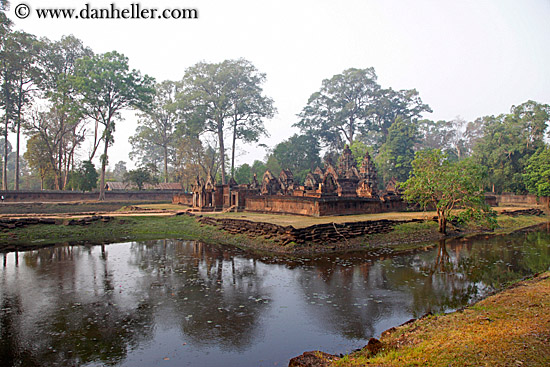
column 181, row 303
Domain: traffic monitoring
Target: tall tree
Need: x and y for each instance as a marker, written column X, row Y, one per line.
column 537, row 172
column 507, row 143
column 38, row 158
column 61, row 124
column 396, row 154
column 223, row 96
column 391, row 104
column 341, row 108
column 352, row 104
column 106, row 86
column 5, row 98
column 24, row 52
column 156, row 127
column 250, row 107
column 193, row 157
column 435, row 135
column 119, row 170
column 7, row 80
column 299, row 153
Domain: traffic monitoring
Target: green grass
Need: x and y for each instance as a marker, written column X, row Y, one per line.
column 507, row 224
column 121, row 229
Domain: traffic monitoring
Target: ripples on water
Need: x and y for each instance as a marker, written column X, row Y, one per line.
column 178, row 303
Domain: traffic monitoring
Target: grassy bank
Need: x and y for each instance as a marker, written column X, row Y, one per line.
column 121, row 229
column 140, row 227
column 510, row 328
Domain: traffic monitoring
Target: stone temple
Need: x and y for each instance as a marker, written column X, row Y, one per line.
column 341, row 189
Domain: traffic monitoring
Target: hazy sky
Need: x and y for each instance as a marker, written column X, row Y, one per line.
column 466, row 58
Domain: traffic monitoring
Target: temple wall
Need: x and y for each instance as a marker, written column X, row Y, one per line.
column 320, row 206
column 349, row 206
column 282, row 205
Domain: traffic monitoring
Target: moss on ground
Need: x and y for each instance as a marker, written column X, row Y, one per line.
column 510, row 328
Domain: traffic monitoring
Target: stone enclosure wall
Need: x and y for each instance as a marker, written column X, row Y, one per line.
column 183, row 199
column 510, row 199
column 59, row 196
column 319, row 233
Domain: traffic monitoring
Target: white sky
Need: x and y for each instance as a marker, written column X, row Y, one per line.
column 468, row 58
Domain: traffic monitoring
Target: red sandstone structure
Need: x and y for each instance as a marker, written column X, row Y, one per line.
column 340, row 190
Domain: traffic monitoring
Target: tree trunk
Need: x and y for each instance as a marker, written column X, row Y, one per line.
column 222, row 151
column 351, row 128
column 165, row 164
column 60, row 155
column 233, row 150
column 5, row 163
column 18, row 132
column 442, row 221
column 17, row 153
column 104, row 164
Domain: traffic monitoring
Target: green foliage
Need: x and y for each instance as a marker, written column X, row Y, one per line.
column 119, row 171
column 508, row 142
column 537, row 172
column 61, row 125
column 359, row 149
column 106, row 86
column 225, row 96
column 353, row 103
column 243, row 174
column 139, row 177
column 391, row 104
column 273, row 165
column 85, row 178
column 397, row 153
column 156, row 131
column 340, row 109
column 38, row 158
column 299, row 153
column 258, row 168
column 448, row 186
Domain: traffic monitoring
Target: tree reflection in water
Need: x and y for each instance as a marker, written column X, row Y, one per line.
column 215, row 296
column 56, row 322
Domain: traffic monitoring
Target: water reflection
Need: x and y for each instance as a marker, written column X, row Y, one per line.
column 187, row 303
column 214, row 297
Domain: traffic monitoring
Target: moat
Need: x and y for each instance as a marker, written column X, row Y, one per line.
column 182, row 303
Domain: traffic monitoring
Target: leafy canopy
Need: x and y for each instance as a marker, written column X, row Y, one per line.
column 436, row 182
column 537, row 176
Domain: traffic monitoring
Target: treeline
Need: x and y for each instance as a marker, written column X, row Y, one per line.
column 67, row 100
column 60, row 94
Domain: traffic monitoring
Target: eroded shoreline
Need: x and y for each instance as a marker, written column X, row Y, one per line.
column 399, row 232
